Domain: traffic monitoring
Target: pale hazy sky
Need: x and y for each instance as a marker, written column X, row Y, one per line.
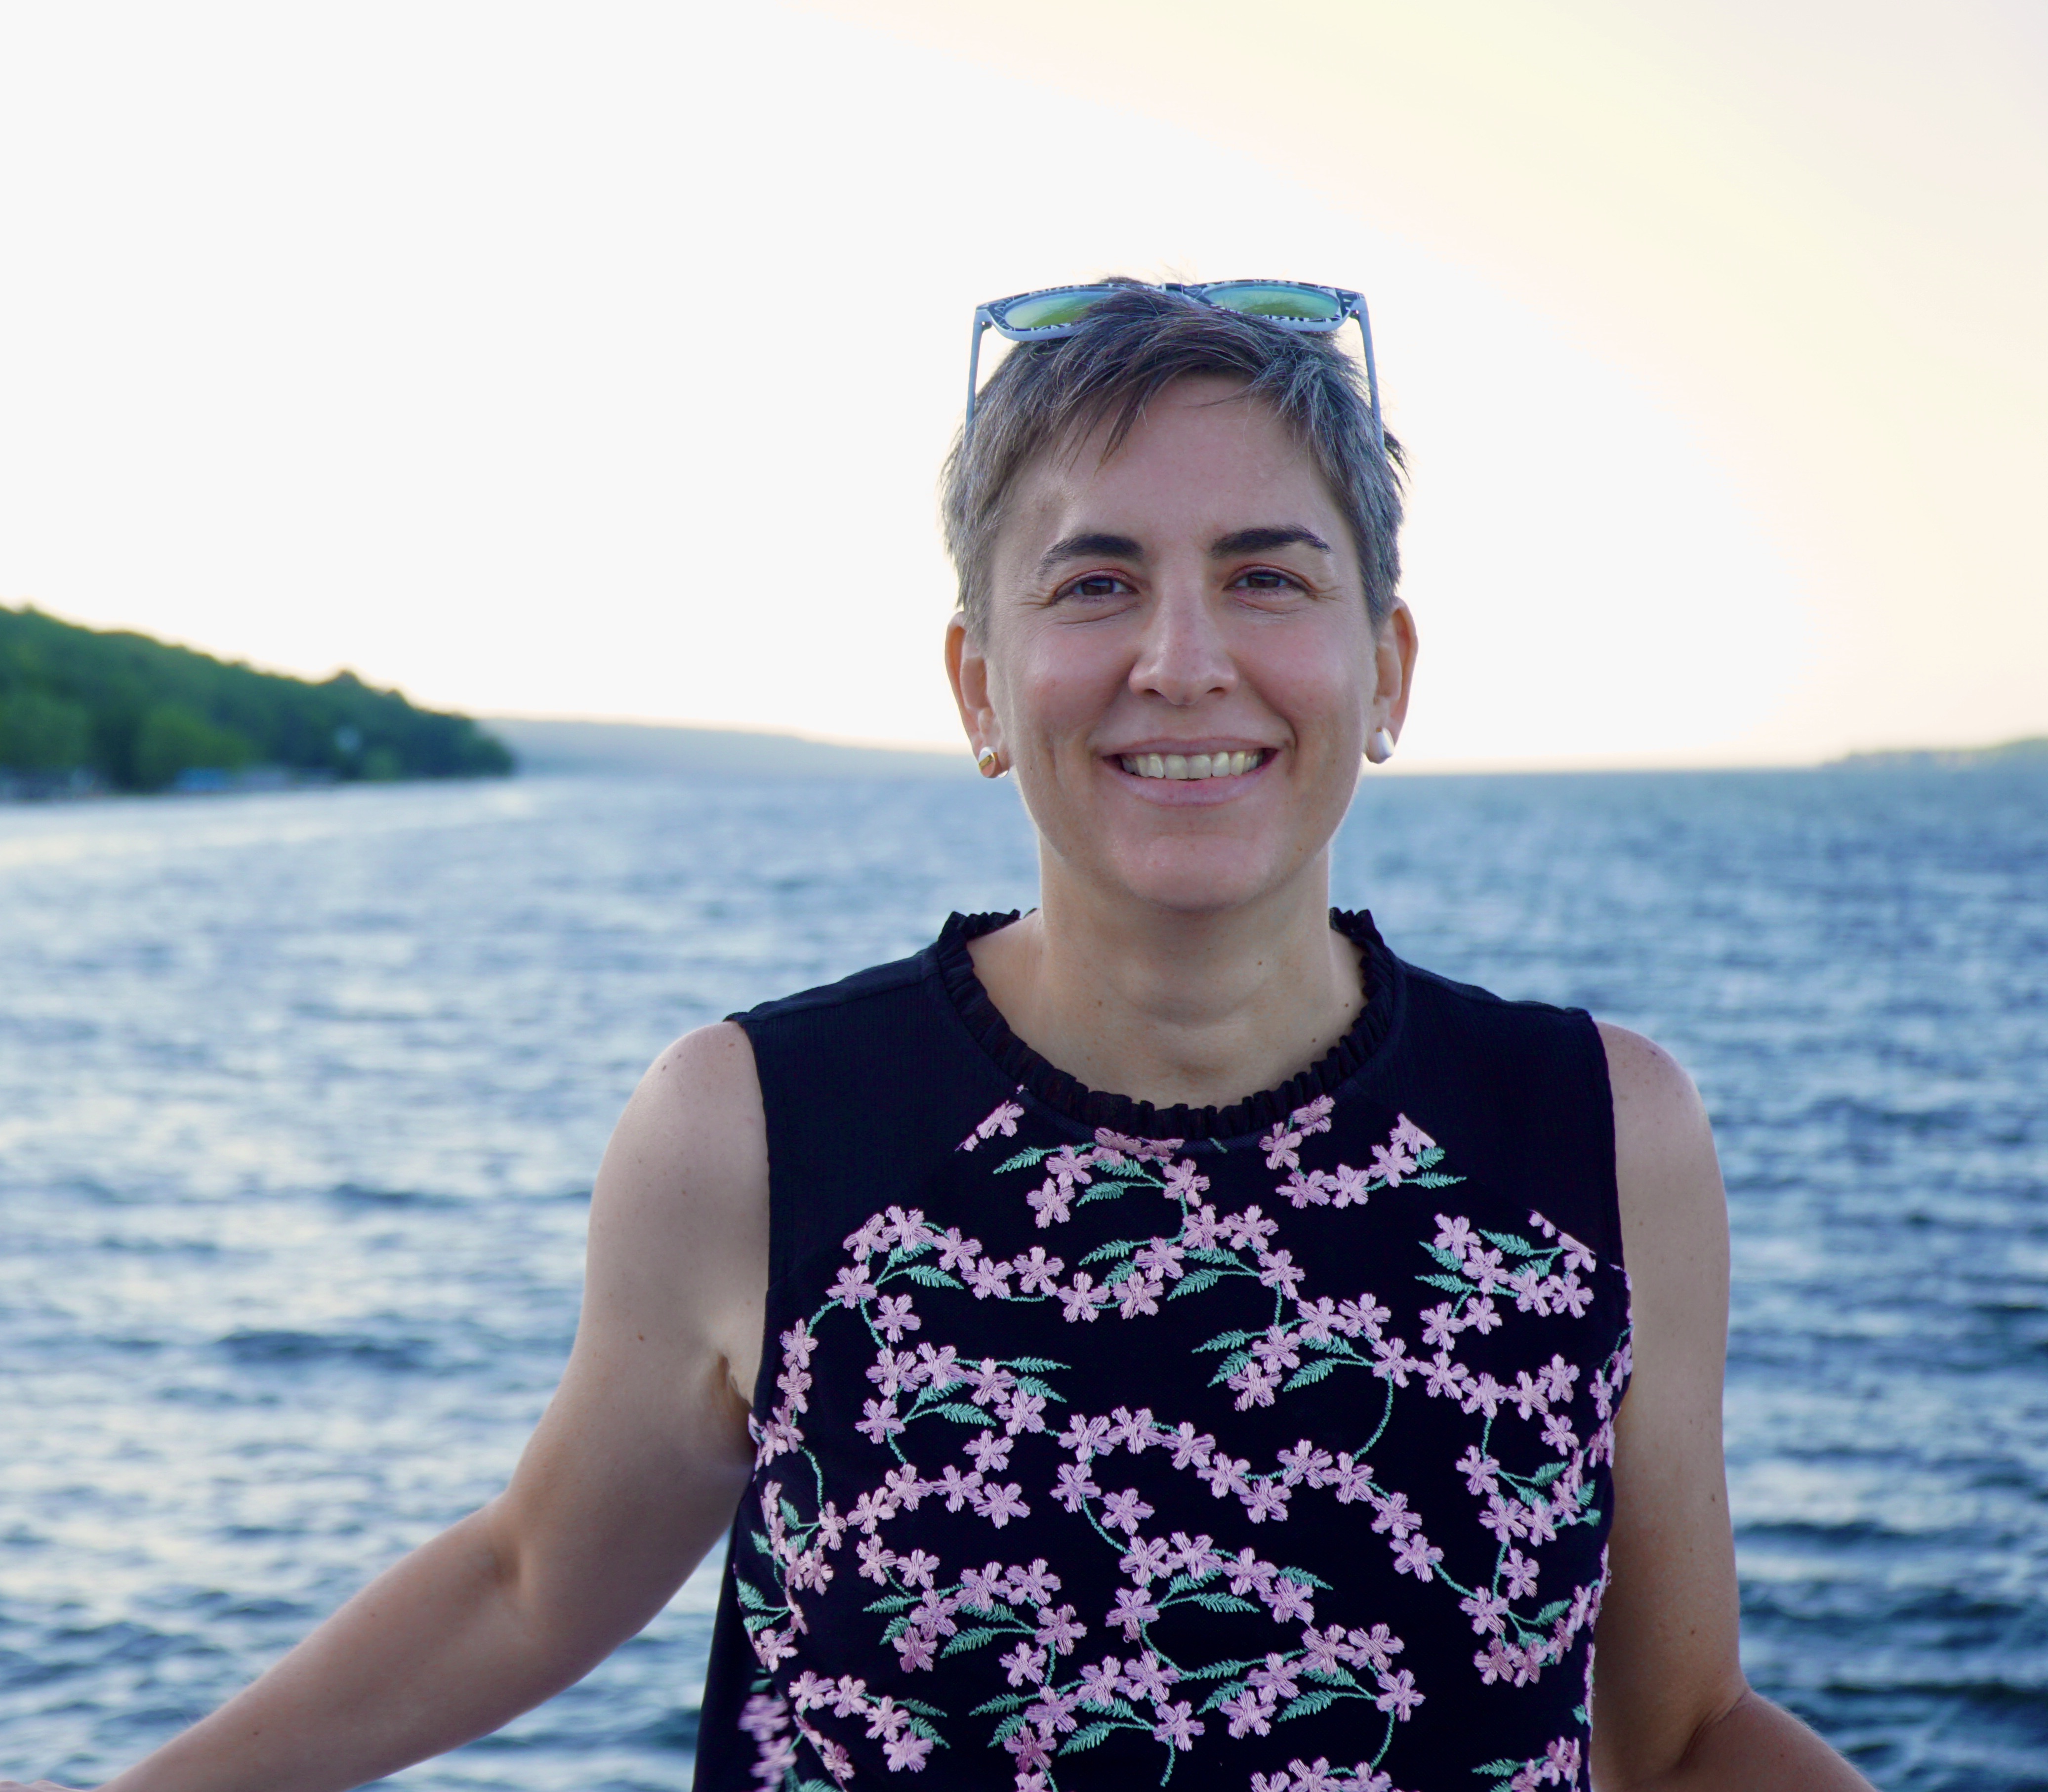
column 598, row 360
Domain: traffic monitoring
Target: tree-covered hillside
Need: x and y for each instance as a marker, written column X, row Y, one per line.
column 137, row 713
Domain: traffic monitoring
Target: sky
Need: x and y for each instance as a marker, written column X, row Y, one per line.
column 598, row 360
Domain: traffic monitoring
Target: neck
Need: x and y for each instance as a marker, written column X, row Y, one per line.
column 1171, row 1007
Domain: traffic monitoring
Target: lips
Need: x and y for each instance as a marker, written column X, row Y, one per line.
column 1190, row 765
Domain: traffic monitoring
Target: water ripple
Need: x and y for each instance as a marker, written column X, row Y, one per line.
column 300, row 1096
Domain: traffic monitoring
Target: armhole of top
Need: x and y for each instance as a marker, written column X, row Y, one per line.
column 1607, row 1163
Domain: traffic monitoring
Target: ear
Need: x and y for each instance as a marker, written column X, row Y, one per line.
column 967, row 670
column 1394, row 649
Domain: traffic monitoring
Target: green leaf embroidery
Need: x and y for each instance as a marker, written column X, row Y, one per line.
column 1086, row 1737
column 1443, row 1258
column 1025, row 1159
column 1335, row 1676
column 1310, row 1372
column 1451, row 1284
column 1433, row 1180
column 1210, row 1254
column 1302, row 1577
column 971, row 1639
column 749, row 1595
column 930, row 1275
column 791, row 1516
column 1229, row 1341
column 1033, row 1363
column 1221, row 1603
column 1199, row 1283
column 1216, row 1668
column 1031, row 1384
column 919, row 1705
column 892, row 1602
column 1548, row 1473
column 1497, row 1769
column 1514, row 1245
column 961, row 1411
column 1231, row 1364
column 1116, row 1247
column 1433, row 1155
column 1004, row 1701
column 1309, row 1703
column 1550, row 1613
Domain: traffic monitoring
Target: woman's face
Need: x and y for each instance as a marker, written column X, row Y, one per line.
column 1191, row 603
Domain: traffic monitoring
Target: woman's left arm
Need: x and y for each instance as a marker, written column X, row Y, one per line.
column 1671, row 1710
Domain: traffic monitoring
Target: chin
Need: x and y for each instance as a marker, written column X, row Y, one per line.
column 1208, row 877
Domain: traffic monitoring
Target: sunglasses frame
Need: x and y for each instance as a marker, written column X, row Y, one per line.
column 989, row 316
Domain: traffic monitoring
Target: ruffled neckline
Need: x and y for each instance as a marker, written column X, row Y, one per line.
column 1067, row 1094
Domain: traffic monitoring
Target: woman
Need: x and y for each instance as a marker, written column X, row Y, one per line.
column 1087, row 1417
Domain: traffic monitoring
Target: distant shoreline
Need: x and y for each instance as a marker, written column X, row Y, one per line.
column 2032, row 750
column 670, row 750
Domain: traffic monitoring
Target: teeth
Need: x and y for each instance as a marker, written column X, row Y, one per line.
column 1190, row 765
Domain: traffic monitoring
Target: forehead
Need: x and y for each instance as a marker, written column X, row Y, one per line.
column 1203, row 461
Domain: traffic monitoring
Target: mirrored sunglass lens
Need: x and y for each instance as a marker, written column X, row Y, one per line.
column 1261, row 299
column 1040, row 310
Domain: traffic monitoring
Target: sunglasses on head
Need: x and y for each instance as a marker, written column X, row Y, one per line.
column 1059, row 311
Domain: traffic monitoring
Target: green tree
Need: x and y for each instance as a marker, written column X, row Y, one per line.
column 172, row 739
column 148, row 711
column 39, row 732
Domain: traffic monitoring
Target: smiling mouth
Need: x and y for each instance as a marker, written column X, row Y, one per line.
column 1189, row 766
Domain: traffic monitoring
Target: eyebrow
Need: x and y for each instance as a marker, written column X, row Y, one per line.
column 1092, row 546
column 1097, row 543
column 1265, row 541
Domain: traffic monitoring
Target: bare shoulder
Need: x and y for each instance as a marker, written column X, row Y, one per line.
column 699, row 1108
column 1667, row 1174
column 1674, row 1241
column 679, row 1217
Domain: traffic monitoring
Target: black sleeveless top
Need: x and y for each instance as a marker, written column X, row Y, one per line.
column 1266, row 1447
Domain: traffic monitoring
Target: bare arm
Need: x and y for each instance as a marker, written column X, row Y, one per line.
column 630, row 1479
column 1671, row 1710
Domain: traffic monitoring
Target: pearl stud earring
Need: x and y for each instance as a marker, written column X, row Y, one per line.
column 990, row 766
column 1379, row 746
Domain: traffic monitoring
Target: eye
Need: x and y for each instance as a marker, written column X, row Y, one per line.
column 1267, row 579
column 1092, row 588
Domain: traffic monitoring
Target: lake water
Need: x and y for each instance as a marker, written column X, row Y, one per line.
column 300, row 1096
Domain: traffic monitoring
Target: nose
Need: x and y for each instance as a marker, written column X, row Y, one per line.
column 1183, row 656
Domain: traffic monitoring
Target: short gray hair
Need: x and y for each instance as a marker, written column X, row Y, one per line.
column 1129, row 349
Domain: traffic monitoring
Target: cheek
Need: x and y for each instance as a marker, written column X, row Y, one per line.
column 1321, row 681
column 1062, row 681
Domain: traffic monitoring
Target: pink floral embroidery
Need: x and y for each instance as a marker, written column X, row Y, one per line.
column 1529, row 1474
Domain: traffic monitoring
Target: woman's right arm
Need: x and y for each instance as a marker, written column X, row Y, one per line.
column 630, row 1478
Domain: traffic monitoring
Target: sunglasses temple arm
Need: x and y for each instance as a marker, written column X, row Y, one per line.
column 1371, row 377
column 973, row 366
